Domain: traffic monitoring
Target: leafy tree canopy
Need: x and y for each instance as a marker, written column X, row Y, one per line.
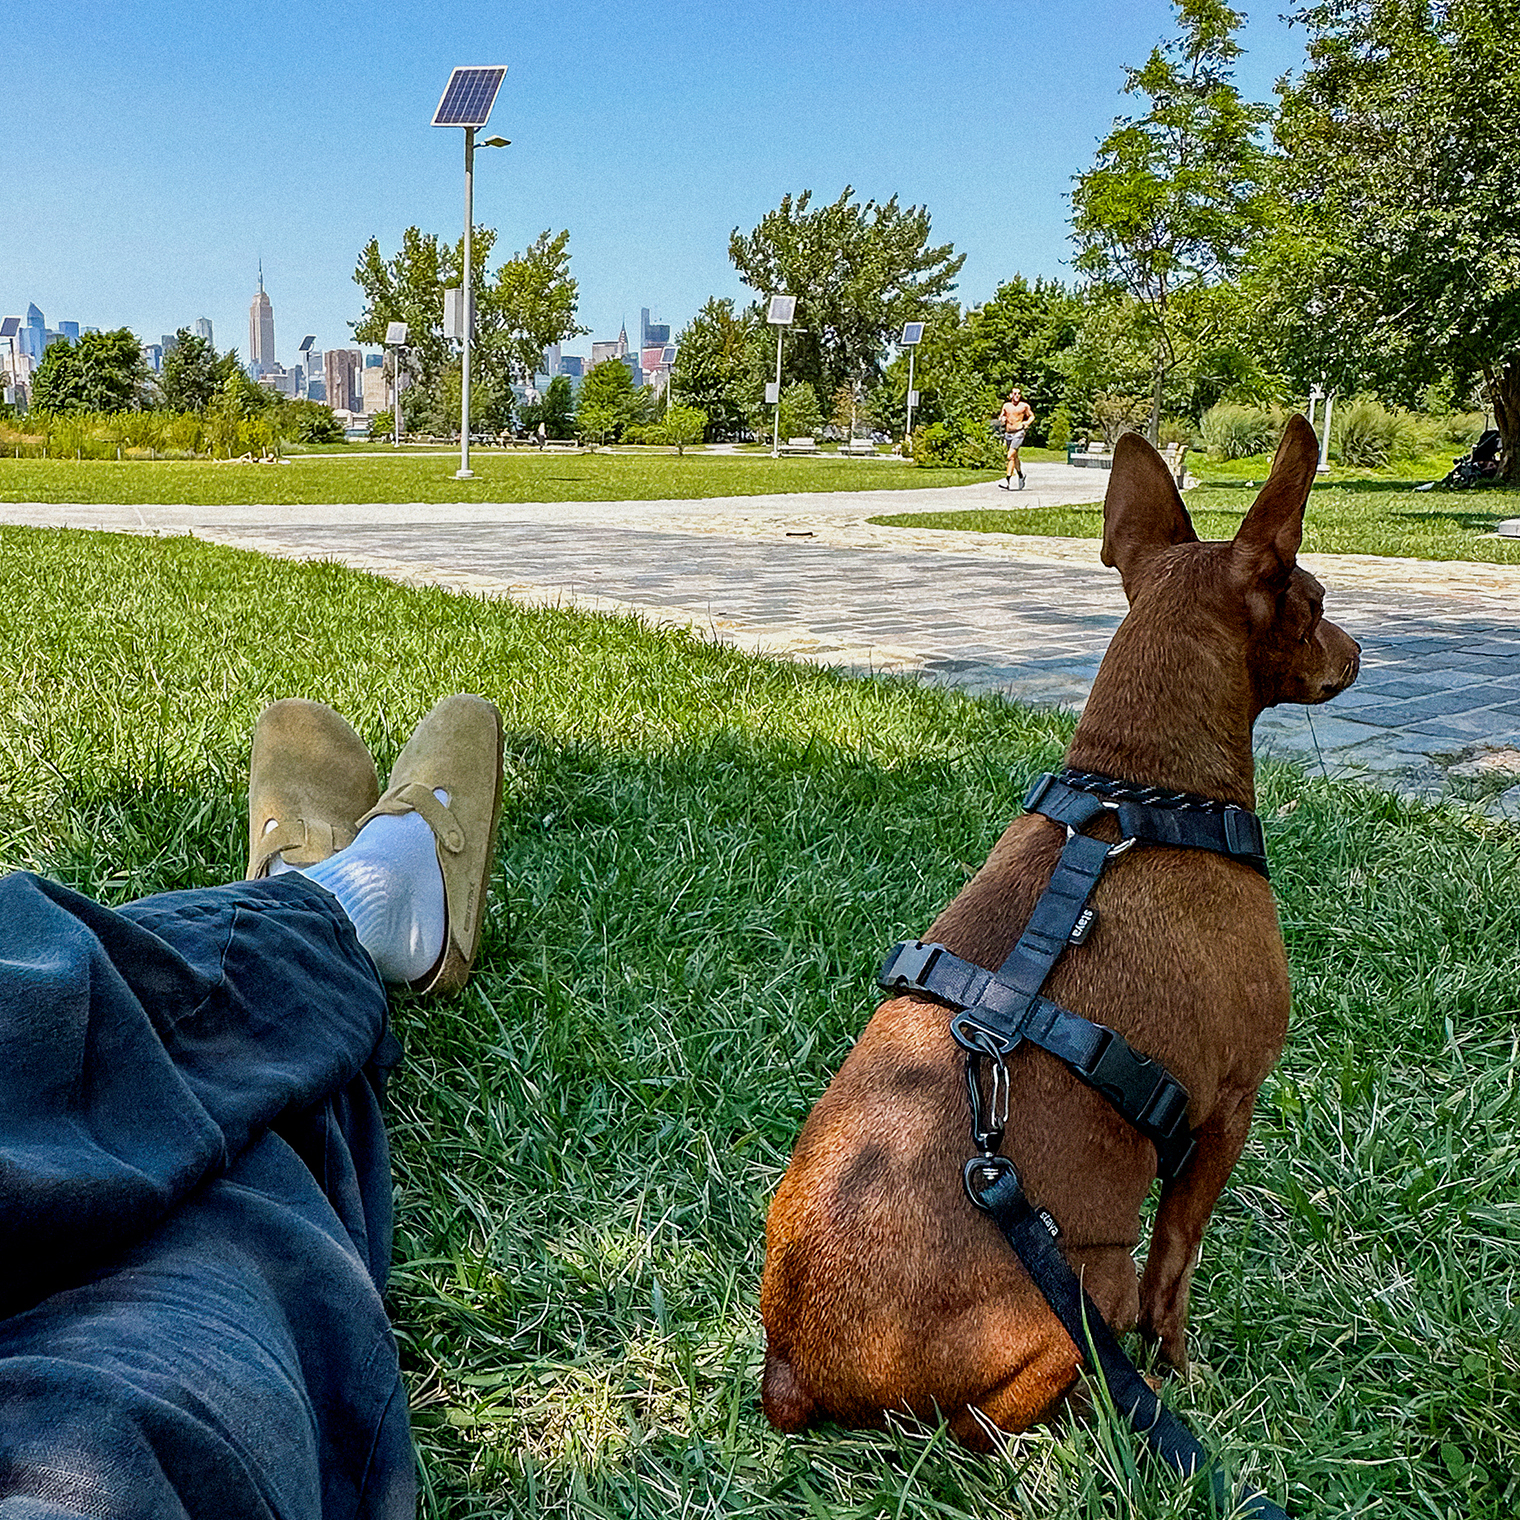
column 192, row 372
column 525, row 306
column 608, row 402
column 1176, row 195
column 103, row 372
column 720, row 357
column 859, row 271
column 1396, row 261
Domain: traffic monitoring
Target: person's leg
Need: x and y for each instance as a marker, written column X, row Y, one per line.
column 195, row 1323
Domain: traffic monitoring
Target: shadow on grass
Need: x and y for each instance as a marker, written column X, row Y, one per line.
column 681, row 949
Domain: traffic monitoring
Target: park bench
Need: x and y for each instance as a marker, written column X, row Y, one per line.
column 857, row 446
column 799, row 446
column 1089, row 456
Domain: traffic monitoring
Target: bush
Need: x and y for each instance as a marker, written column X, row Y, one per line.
column 969, row 445
column 382, row 425
column 1238, row 432
column 801, row 416
column 1058, row 430
column 1364, row 432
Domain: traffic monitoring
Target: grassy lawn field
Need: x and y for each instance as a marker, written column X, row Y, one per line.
column 430, row 477
column 703, row 857
column 1351, row 512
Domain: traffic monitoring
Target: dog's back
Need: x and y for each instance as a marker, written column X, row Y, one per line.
column 884, row 1288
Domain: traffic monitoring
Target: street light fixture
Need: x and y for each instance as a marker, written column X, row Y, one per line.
column 781, row 315
column 395, row 340
column 466, row 102
column 912, row 336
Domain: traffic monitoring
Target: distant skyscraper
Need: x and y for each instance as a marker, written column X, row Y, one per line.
column 33, row 337
column 169, row 342
column 260, row 330
column 341, row 371
column 70, row 330
column 203, row 330
column 652, row 333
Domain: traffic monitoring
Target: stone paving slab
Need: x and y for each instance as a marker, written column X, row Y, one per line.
column 809, row 577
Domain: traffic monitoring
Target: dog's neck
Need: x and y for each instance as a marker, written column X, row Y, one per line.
column 1170, row 707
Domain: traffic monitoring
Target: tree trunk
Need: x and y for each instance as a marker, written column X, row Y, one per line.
column 1153, row 431
column 1504, row 395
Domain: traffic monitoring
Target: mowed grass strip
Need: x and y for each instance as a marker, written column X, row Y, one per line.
column 703, row 857
column 1355, row 516
column 510, row 477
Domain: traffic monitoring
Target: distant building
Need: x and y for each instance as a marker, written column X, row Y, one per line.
column 341, row 370
column 168, row 342
column 550, row 363
column 32, row 339
column 203, row 330
column 279, row 379
column 602, row 352
column 652, row 334
column 316, row 389
column 376, row 388
column 69, row 332
column 573, row 366
column 153, row 356
column 260, row 331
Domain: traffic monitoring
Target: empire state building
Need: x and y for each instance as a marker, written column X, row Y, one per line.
column 261, row 331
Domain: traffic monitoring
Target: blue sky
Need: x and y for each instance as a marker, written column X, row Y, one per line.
column 156, row 150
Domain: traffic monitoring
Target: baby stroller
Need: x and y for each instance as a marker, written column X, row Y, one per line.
column 1479, row 463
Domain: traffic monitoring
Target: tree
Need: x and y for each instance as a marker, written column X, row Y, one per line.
column 1394, row 264
column 103, row 372
column 680, row 427
column 608, row 403
column 558, row 408
column 718, row 364
column 858, row 272
column 192, row 372
column 1176, row 196
column 526, row 306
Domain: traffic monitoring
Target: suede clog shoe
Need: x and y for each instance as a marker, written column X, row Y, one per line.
column 457, row 748
column 311, row 776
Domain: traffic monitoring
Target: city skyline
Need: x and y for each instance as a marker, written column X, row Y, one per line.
column 146, row 218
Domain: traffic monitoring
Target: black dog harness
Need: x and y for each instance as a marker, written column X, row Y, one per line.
column 996, row 1010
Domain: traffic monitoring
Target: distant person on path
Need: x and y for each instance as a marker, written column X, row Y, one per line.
column 1017, row 418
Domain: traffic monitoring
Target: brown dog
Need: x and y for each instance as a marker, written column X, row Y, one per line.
column 884, row 1288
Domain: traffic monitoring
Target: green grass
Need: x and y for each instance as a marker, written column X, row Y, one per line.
column 1354, row 512
column 316, row 478
column 703, row 857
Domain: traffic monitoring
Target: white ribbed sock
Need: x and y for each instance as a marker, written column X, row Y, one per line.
column 389, row 884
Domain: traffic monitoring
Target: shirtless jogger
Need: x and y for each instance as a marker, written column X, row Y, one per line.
column 1017, row 418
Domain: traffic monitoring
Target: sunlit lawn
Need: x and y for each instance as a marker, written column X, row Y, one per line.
column 703, row 856
column 509, row 477
column 1352, row 512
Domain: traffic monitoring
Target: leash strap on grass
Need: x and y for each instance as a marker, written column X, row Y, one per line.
column 993, row 1183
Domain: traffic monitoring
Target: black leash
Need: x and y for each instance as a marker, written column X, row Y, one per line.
column 995, row 1011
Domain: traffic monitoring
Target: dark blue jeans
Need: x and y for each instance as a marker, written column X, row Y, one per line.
column 195, row 1210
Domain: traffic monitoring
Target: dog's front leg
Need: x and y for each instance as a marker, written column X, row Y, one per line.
column 1186, row 1203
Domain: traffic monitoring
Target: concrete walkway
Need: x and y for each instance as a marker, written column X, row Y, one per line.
column 808, row 576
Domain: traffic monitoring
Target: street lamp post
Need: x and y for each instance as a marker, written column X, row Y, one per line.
column 466, row 102
column 395, row 340
column 782, row 312
column 912, row 334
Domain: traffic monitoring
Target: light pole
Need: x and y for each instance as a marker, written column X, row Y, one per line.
column 466, row 102
column 782, row 312
column 912, row 334
column 395, row 340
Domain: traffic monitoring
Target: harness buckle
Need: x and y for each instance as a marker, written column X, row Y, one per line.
column 1037, row 789
column 976, row 1039
column 983, row 1173
column 1243, row 833
column 907, row 966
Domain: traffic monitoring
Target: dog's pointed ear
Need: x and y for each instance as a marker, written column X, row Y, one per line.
column 1142, row 512
column 1267, row 544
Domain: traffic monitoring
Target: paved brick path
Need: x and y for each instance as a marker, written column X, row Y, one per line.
column 807, row 576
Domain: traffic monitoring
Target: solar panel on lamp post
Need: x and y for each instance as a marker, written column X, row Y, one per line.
column 466, row 102
column 912, row 335
column 780, row 314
